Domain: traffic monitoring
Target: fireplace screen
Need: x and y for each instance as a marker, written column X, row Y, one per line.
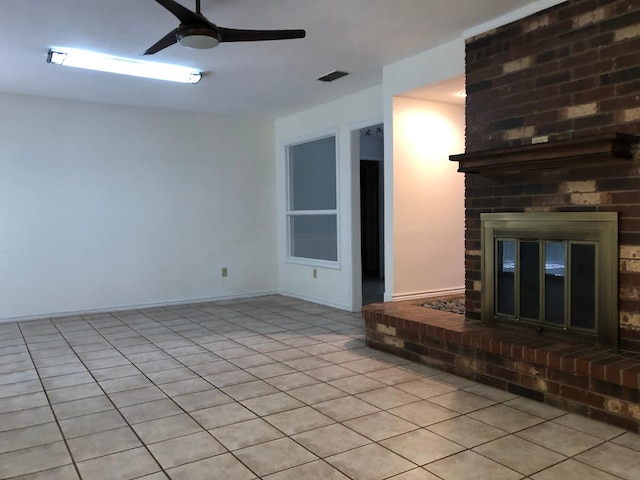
column 556, row 271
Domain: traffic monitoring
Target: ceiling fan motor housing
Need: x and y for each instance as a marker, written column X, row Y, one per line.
column 198, row 37
column 195, row 31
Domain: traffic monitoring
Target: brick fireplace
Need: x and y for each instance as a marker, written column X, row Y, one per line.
column 570, row 72
column 541, row 185
column 552, row 125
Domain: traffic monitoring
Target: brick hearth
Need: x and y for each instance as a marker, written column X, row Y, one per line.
column 584, row 378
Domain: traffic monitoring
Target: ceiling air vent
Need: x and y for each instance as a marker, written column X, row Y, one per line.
column 335, row 75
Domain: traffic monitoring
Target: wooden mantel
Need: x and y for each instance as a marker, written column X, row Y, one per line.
column 558, row 154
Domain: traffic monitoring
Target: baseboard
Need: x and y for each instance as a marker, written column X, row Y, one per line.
column 122, row 308
column 338, row 306
column 429, row 294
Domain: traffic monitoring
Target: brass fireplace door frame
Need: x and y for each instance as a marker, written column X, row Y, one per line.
column 598, row 227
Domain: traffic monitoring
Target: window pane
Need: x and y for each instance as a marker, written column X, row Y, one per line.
column 505, row 266
column 529, row 280
column 555, row 261
column 314, row 236
column 583, row 290
column 312, row 175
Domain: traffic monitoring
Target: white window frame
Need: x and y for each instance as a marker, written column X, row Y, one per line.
column 289, row 213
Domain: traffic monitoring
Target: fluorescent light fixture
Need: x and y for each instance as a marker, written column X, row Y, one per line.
column 72, row 57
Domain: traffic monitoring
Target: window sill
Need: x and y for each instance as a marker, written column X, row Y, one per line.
column 310, row 262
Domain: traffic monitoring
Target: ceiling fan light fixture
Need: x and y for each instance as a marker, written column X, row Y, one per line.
column 196, row 31
column 200, row 38
column 71, row 57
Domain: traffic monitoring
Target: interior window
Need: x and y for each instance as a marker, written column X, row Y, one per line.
column 312, row 215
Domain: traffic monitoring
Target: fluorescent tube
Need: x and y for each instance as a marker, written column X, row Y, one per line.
column 72, row 57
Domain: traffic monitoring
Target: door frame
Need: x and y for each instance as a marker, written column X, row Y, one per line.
column 356, row 241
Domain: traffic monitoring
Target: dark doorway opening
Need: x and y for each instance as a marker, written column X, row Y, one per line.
column 372, row 230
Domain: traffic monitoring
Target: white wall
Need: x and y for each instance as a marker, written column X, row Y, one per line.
column 106, row 207
column 428, row 198
column 405, row 274
column 428, row 67
column 333, row 286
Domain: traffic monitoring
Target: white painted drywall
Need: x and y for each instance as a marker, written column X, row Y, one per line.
column 428, row 198
column 106, row 207
column 339, row 287
column 333, row 286
column 431, row 66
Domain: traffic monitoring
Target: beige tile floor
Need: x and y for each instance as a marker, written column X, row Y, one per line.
column 271, row 388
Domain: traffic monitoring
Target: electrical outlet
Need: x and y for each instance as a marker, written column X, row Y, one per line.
column 225, row 272
column 315, row 273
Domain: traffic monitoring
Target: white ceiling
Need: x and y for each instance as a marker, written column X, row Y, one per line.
column 266, row 79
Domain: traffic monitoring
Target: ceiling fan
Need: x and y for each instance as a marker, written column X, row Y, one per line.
column 196, row 31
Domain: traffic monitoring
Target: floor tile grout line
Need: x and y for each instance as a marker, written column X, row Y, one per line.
column 320, row 341
column 273, row 426
column 564, row 459
column 460, row 414
column 256, row 333
column 334, row 422
column 605, row 440
column 285, row 435
column 179, row 406
column 184, row 412
column 118, row 410
column 514, row 433
column 53, row 413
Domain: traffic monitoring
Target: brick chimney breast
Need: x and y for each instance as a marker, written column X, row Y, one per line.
column 570, row 72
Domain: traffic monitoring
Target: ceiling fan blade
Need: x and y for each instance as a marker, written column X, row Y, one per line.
column 182, row 13
column 234, row 35
column 166, row 41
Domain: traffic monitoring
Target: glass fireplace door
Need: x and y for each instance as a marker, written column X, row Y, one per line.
column 555, row 271
column 534, row 279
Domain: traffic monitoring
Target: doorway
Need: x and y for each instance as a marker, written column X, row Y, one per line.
column 372, row 213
